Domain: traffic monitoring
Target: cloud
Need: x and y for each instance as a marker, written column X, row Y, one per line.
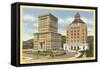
column 89, row 23
column 64, row 23
column 66, row 20
column 29, row 17
column 61, row 26
column 26, row 37
column 69, row 20
column 60, row 21
column 29, row 26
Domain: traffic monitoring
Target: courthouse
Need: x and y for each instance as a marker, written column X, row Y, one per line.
column 47, row 37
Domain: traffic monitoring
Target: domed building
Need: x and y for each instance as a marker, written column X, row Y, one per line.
column 76, row 35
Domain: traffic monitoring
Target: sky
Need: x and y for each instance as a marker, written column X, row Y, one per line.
column 65, row 17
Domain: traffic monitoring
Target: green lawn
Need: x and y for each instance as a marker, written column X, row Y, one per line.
column 48, row 53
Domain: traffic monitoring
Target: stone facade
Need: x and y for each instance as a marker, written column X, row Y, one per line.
column 47, row 37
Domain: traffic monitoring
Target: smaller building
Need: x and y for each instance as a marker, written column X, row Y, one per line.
column 63, row 41
column 29, row 44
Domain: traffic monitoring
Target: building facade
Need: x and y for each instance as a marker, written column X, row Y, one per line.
column 76, row 35
column 47, row 37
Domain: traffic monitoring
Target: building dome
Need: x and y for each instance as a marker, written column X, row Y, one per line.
column 77, row 15
column 77, row 19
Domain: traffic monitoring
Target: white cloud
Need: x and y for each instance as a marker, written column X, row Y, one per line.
column 27, row 37
column 65, row 21
column 68, row 20
column 35, row 24
column 84, row 19
column 63, row 32
column 63, row 24
column 89, row 23
column 60, row 21
column 29, row 26
column 29, row 17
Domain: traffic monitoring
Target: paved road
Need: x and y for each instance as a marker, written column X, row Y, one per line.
column 68, row 55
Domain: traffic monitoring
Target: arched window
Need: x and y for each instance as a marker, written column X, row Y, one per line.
column 77, row 47
column 74, row 47
column 83, row 47
column 71, row 47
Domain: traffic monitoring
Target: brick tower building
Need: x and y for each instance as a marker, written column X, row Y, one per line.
column 76, row 35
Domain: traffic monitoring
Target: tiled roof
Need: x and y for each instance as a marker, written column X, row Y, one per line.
column 77, row 19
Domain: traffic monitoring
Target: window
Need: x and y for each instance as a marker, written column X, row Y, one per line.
column 74, row 30
column 83, row 47
column 77, row 30
column 41, row 44
column 74, row 47
column 71, row 30
column 67, row 32
column 77, row 47
column 71, row 48
column 83, row 30
column 74, row 40
column 43, row 18
column 74, row 37
column 77, row 33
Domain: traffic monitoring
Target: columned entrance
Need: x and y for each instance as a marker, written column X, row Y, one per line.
column 41, row 45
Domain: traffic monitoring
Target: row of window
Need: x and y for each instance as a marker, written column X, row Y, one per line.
column 83, row 40
column 76, row 37
column 75, row 30
column 43, row 18
column 76, row 48
column 75, row 34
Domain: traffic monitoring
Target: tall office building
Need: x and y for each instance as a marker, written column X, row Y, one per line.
column 77, row 34
column 47, row 37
